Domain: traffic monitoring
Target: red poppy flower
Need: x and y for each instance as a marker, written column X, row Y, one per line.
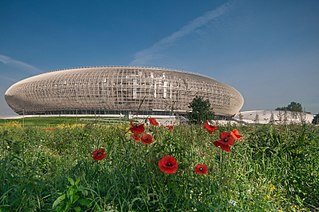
column 226, row 140
column 99, row 154
column 147, row 139
column 235, row 134
column 136, row 128
column 170, row 127
column 136, row 137
column 168, row 165
column 201, row 169
column 153, row 122
column 50, row 129
column 224, row 147
column 210, row 128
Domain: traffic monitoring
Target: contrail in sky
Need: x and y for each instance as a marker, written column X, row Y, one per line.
column 146, row 55
column 26, row 67
column 8, row 79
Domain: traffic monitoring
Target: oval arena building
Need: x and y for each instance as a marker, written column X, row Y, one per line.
column 119, row 90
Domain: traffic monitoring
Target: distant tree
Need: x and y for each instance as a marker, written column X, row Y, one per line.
column 315, row 119
column 293, row 106
column 201, row 110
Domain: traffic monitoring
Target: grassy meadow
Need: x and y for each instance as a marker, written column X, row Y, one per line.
column 47, row 165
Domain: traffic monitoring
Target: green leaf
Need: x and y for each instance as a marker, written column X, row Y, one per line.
column 75, row 198
column 71, row 181
column 58, row 201
column 85, row 202
column 77, row 209
column 77, row 181
column 70, row 193
column 136, row 199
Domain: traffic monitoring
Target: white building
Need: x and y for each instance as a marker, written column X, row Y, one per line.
column 274, row 116
column 119, row 90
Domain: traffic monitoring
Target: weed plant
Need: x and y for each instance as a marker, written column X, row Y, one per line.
column 271, row 168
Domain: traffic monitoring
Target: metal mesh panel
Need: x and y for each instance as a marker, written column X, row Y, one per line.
column 109, row 89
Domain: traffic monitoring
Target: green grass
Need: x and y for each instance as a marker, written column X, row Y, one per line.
column 271, row 168
column 53, row 121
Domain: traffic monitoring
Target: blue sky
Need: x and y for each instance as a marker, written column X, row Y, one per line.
column 267, row 50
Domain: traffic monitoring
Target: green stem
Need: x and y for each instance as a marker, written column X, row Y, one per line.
column 221, row 165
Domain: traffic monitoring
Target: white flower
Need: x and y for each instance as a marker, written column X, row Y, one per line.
column 233, row 202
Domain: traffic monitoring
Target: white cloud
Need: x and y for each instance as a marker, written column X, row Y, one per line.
column 10, row 79
column 146, row 55
column 19, row 64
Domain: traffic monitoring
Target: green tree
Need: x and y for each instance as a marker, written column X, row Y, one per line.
column 293, row 106
column 201, row 110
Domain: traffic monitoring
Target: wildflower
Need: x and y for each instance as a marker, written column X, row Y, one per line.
column 136, row 128
column 232, row 202
column 170, row 127
column 136, row 137
column 168, row 165
column 50, row 129
column 153, row 122
column 201, row 169
column 147, row 139
column 99, row 154
column 226, row 140
column 272, row 187
column 235, row 134
column 210, row 128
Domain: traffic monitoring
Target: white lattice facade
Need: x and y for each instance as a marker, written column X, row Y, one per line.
column 107, row 90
